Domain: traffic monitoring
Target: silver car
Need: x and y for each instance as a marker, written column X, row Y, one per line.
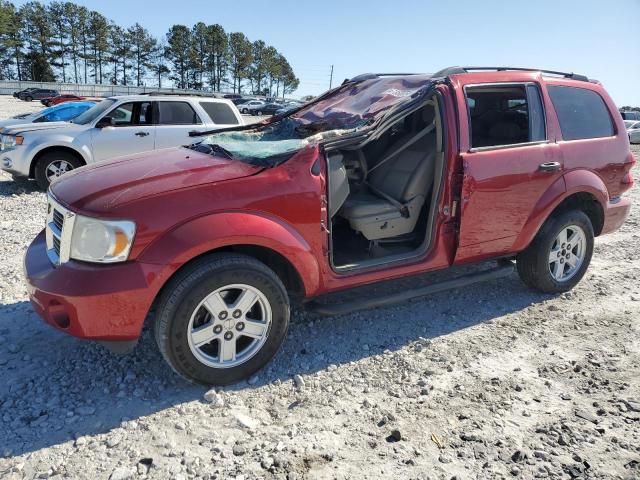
column 634, row 132
column 115, row 127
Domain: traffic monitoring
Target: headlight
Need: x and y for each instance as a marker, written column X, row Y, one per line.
column 10, row 141
column 101, row 240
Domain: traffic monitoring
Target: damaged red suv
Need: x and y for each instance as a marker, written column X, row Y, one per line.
column 382, row 177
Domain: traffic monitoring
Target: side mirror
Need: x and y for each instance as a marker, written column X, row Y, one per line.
column 106, row 121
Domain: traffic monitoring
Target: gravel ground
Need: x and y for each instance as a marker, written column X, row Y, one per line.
column 486, row 382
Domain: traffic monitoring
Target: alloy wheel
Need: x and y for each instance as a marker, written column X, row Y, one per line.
column 58, row 168
column 229, row 326
column 567, row 253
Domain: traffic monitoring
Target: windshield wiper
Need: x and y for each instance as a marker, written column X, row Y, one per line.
column 212, row 149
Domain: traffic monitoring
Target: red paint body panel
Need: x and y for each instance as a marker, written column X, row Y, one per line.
column 107, row 303
column 186, row 204
column 64, row 99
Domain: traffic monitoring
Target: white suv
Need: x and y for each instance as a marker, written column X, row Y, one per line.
column 114, row 127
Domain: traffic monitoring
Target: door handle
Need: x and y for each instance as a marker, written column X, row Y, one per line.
column 141, row 134
column 550, row 167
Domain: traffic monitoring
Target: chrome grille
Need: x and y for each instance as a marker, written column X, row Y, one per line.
column 56, row 246
column 58, row 219
column 58, row 232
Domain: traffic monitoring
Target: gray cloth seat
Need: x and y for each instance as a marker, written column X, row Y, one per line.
column 389, row 203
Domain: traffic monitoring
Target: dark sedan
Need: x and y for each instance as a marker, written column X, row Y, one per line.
column 37, row 94
column 266, row 109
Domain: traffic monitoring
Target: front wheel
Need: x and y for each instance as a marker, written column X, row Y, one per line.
column 28, row 98
column 53, row 165
column 222, row 319
column 259, row 113
column 559, row 255
column 244, row 110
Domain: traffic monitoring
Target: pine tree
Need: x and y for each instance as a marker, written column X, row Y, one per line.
column 217, row 55
column 141, row 50
column 240, row 57
column 37, row 28
column 11, row 42
column 179, row 52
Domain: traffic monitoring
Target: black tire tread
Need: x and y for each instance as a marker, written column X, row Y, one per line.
column 40, row 169
column 176, row 289
column 528, row 261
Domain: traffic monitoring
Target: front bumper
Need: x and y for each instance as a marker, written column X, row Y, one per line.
column 98, row 302
column 16, row 161
column 615, row 214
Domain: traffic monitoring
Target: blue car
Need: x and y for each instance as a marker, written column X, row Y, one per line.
column 58, row 113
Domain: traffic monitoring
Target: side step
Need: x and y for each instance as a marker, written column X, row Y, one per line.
column 504, row 268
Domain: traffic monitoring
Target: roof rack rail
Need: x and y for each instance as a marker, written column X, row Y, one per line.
column 370, row 76
column 180, row 94
column 457, row 70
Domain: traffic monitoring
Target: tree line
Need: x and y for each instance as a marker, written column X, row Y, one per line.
column 66, row 42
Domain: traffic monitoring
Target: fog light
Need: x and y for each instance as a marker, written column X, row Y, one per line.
column 6, row 162
column 58, row 314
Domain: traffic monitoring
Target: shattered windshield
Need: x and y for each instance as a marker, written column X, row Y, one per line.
column 343, row 110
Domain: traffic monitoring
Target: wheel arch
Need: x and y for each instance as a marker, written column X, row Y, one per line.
column 277, row 262
column 54, row 148
column 270, row 240
column 583, row 190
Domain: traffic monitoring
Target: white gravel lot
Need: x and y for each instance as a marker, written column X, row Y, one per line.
column 493, row 381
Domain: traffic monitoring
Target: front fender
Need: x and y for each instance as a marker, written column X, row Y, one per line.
column 211, row 232
column 59, row 141
column 575, row 181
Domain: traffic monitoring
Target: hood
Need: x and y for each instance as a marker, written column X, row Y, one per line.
column 105, row 185
column 32, row 127
column 361, row 100
column 9, row 122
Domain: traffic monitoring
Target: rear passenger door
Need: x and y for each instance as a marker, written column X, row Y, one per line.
column 175, row 119
column 508, row 165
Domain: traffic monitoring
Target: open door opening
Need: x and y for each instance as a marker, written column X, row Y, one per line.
column 383, row 193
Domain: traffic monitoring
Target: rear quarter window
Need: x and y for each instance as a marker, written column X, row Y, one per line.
column 220, row 113
column 582, row 113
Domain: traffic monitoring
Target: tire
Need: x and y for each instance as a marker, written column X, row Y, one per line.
column 551, row 266
column 28, row 98
column 259, row 113
column 245, row 111
column 43, row 171
column 181, row 311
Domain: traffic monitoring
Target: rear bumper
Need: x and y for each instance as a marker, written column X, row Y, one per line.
column 98, row 302
column 615, row 214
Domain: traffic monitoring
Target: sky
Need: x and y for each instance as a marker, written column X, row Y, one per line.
column 597, row 38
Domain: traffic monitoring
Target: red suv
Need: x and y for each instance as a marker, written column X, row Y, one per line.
column 382, row 177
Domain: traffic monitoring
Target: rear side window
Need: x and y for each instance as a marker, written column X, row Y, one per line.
column 220, row 113
column 582, row 113
column 176, row 113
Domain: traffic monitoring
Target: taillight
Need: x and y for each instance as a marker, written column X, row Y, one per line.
column 627, row 176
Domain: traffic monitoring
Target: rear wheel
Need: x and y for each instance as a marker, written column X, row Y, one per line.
column 222, row 319
column 560, row 254
column 53, row 165
column 259, row 113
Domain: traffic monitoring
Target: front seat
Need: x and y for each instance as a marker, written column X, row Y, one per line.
column 389, row 203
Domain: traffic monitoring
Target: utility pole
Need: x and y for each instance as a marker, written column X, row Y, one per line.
column 331, row 77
